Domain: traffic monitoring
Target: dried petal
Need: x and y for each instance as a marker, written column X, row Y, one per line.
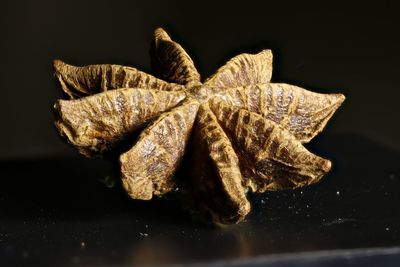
column 148, row 167
column 170, row 61
column 243, row 70
column 94, row 124
column 87, row 80
column 271, row 158
column 216, row 179
column 302, row 112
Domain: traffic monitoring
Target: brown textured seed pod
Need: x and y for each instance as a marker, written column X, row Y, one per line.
column 245, row 132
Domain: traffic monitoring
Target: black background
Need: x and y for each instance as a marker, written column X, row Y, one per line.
column 351, row 47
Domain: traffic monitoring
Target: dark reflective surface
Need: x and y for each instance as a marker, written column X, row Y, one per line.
column 60, row 212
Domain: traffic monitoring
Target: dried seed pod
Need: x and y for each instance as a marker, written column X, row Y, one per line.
column 303, row 113
column 243, row 70
column 170, row 61
column 148, row 167
column 216, row 179
column 88, row 80
column 94, row 124
column 247, row 131
column 270, row 157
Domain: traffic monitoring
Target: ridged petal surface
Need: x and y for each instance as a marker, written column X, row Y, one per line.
column 170, row 61
column 216, row 177
column 147, row 168
column 243, row 70
column 302, row 112
column 92, row 79
column 271, row 158
column 94, row 124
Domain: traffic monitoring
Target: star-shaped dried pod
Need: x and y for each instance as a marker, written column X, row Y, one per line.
column 241, row 131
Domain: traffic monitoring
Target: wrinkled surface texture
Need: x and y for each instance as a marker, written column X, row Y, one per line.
column 241, row 132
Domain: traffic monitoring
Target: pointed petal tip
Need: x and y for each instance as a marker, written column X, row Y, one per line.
column 244, row 209
column 56, row 105
column 267, row 51
column 141, row 189
column 57, row 65
column 135, row 193
column 60, row 106
column 341, row 98
column 122, row 158
column 336, row 100
column 323, row 168
column 161, row 34
column 57, row 109
column 241, row 213
column 159, row 30
column 326, row 165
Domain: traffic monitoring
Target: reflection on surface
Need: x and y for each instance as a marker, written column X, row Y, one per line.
column 50, row 207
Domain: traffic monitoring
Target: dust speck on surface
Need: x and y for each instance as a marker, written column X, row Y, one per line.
column 143, row 234
column 338, row 221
